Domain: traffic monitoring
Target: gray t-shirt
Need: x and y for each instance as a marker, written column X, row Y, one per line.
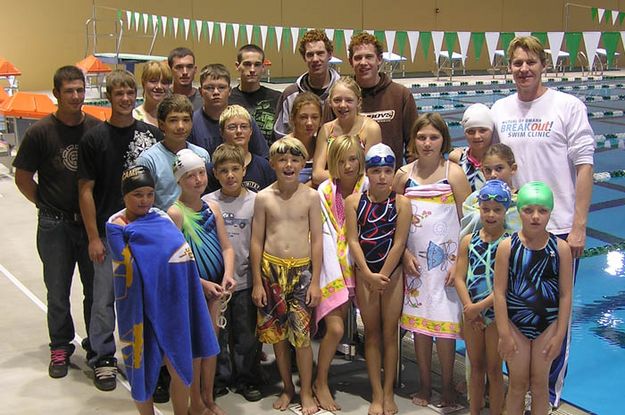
column 237, row 213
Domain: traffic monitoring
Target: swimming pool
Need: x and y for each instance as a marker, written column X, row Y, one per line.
column 596, row 376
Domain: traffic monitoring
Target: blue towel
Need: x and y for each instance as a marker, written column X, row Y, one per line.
column 161, row 309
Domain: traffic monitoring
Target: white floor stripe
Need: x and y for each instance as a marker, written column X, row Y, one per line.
column 44, row 308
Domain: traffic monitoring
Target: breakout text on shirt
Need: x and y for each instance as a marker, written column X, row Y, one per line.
column 528, row 128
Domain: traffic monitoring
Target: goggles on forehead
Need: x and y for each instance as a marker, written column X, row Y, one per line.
column 497, row 198
column 294, row 151
column 374, row 161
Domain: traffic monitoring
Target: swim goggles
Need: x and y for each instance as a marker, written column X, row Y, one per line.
column 223, row 306
column 379, row 161
column 485, row 197
column 291, row 150
column 496, row 190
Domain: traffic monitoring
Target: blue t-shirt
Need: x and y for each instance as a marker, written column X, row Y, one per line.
column 160, row 160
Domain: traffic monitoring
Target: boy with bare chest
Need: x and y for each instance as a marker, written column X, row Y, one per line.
column 285, row 253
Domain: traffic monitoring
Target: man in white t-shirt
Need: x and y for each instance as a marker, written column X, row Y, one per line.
column 553, row 142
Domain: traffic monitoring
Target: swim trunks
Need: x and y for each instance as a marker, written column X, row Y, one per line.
column 286, row 315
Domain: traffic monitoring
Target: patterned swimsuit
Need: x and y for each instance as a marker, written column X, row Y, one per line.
column 376, row 229
column 533, row 290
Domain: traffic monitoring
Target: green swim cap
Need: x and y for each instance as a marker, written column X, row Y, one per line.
column 534, row 193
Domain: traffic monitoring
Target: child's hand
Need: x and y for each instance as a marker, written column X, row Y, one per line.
column 471, row 311
column 507, row 347
column 449, row 279
column 553, row 347
column 377, row 281
column 211, row 290
column 313, row 295
column 410, row 264
column 259, row 296
column 228, row 284
column 478, row 324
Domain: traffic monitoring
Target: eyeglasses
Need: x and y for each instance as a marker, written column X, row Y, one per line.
column 218, row 88
column 234, row 127
column 378, row 160
column 483, row 197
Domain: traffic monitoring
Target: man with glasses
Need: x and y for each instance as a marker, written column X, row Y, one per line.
column 182, row 64
column 215, row 90
column 259, row 100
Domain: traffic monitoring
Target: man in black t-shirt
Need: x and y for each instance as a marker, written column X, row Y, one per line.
column 50, row 149
column 259, row 100
column 104, row 153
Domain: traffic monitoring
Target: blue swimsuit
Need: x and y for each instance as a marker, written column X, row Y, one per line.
column 376, row 229
column 480, row 271
column 533, row 290
column 200, row 231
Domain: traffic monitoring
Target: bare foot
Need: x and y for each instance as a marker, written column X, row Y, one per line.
column 283, row 401
column 324, row 397
column 214, row 409
column 448, row 397
column 376, row 408
column 390, row 407
column 202, row 411
column 309, row 406
column 421, row 398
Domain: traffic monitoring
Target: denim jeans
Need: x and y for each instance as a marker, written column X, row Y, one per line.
column 61, row 244
column 238, row 362
column 103, row 309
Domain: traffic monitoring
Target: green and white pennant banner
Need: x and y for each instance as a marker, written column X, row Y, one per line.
column 294, row 35
column 463, row 39
column 591, row 41
column 491, row 44
column 278, row 30
column 440, row 40
column 263, row 35
column 187, row 25
column 437, row 41
column 347, row 34
column 413, row 40
column 235, row 32
column 330, row 34
column 222, row 32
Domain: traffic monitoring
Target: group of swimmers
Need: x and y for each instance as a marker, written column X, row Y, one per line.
column 444, row 247
column 392, row 237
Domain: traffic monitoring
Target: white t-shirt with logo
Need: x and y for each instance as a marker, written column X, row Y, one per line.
column 549, row 137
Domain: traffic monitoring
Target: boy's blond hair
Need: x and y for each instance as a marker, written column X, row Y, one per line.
column 287, row 145
column 228, row 153
column 232, row 111
column 337, row 150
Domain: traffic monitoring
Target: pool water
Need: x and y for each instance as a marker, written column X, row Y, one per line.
column 596, row 376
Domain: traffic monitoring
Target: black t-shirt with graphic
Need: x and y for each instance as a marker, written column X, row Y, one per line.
column 50, row 148
column 261, row 105
column 104, row 153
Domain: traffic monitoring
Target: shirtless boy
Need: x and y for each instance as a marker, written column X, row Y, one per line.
column 286, row 257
